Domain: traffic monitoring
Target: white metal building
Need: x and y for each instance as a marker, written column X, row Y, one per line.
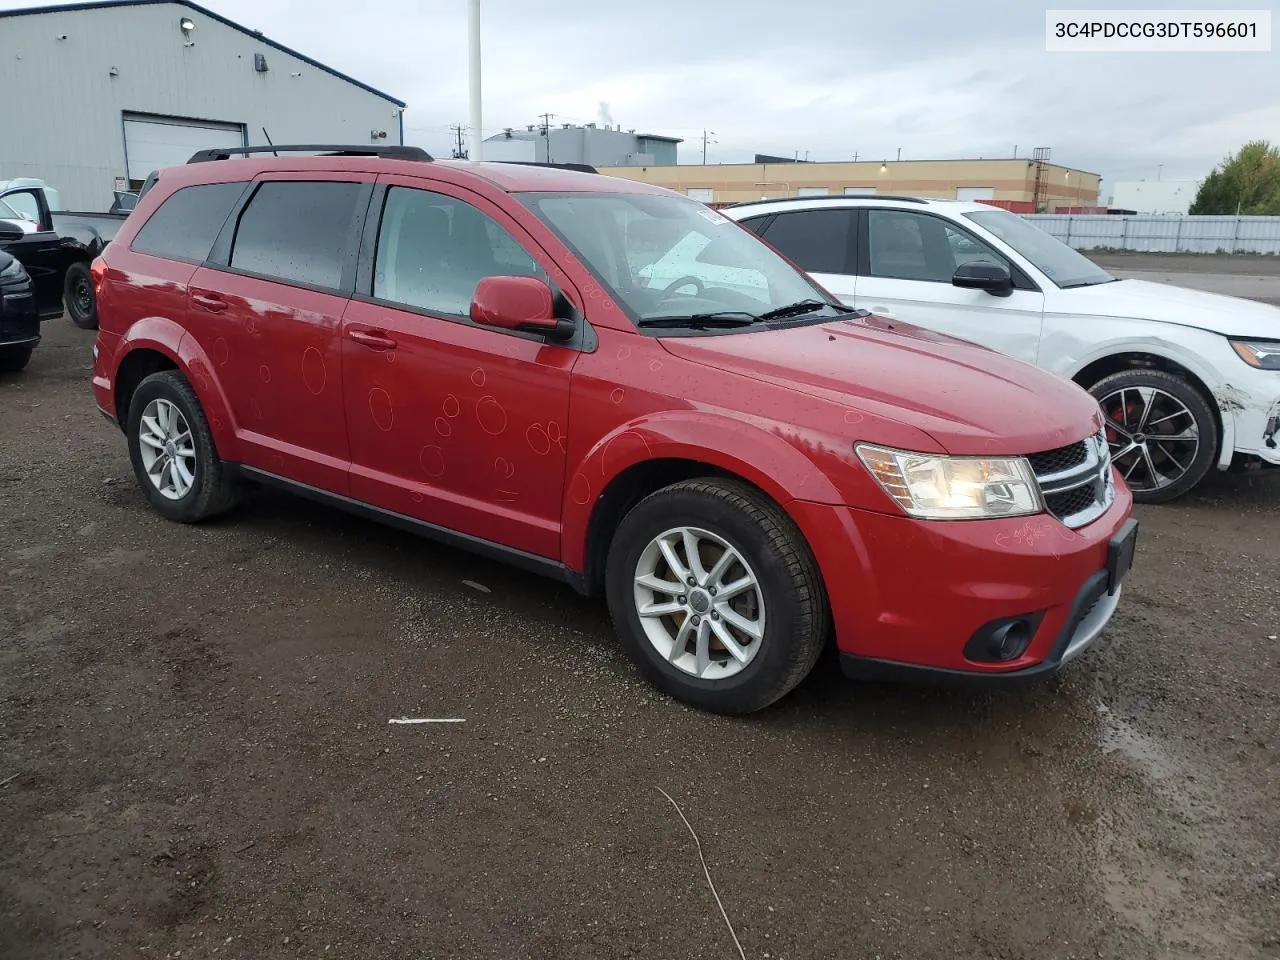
column 96, row 94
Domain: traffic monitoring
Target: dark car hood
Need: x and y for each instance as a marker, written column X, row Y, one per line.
column 968, row 398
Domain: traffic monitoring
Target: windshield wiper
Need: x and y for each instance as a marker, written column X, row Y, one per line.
column 797, row 309
column 707, row 321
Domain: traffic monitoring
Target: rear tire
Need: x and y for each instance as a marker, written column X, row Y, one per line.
column 761, row 641
column 172, row 451
column 14, row 359
column 78, row 297
column 1163, row 433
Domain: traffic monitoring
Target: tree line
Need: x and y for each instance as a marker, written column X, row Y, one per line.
column 1246, row 184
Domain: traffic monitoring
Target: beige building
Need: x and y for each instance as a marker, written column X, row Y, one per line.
column 1021, row 185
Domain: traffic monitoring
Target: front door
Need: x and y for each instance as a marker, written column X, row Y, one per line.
column 907, row 262
column 268, row 319
column 453, row 423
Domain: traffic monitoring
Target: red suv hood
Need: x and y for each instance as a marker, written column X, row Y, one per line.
column 968, row 398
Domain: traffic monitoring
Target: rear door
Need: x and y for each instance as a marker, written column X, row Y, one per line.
column 267, row 308
column 906, row 262
column 823, row 243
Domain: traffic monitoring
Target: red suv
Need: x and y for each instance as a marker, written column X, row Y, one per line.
column 480, row 352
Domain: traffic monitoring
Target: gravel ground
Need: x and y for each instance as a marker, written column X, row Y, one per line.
column 196, row 759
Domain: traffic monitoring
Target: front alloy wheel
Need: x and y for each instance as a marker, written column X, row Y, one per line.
column 1162, row 432
column 699, row 602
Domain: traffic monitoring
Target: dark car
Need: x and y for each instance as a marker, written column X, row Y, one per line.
column 19, row 321
column 58, row 252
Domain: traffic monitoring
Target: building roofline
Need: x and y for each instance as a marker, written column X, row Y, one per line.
column 206, row 12
column 810, row 164
column 658, row 136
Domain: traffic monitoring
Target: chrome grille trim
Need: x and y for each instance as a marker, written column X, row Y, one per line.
column 1094, row 470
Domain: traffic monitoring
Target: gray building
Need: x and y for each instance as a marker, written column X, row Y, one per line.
column 599, row 146
column 97, row 95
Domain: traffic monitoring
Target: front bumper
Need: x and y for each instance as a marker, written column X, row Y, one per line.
column 19, row 322
column 908, row 596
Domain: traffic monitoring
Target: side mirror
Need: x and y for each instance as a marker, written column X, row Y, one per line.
column 518, row 303
column 10, row 231
column 984, row 275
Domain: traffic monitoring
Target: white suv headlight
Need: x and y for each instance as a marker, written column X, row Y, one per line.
column 954, row 488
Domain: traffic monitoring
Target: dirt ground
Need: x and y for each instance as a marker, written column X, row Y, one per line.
column 196, row 759
column 1255, row 277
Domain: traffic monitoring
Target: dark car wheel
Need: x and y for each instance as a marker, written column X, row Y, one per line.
column 715, row 595
column 79, row 298
column 1162, row 431
column 172, row 451
column 14, row 359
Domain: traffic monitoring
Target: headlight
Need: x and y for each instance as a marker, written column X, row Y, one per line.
column 14, row 269
column 954, row 488
column 1263, row 354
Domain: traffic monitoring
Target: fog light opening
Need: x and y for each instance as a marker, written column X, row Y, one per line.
column 1003, row 640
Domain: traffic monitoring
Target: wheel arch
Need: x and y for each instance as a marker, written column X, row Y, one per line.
column 634, row 462
column 157, row 343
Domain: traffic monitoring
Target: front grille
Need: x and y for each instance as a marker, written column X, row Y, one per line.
column 1063, row 458
column 1071, row 502
column 1075, row 480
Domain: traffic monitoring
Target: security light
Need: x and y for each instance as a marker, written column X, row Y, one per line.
column 187, row 24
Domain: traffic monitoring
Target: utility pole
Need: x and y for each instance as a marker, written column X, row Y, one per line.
column 546, row 131
column 459, row 152
column 899, row 153
column 707, row 138
column 473, row 70
column 855, row 156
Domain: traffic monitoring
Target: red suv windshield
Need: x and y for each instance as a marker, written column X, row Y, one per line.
column 667, row 256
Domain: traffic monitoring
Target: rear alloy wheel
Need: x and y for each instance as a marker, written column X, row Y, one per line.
column 172, row 451
column 716, row 596
column 79, row 298
column 1162, row 432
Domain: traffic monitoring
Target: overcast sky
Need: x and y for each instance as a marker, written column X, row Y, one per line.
column 936, row 79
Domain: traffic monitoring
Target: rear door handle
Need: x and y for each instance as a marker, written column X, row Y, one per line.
column 208, row 301
column 373, row 339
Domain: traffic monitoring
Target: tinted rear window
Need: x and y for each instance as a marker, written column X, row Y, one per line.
column 816, row 240
column 186, row 224
column 298, row 231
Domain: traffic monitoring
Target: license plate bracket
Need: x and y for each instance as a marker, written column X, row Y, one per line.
column 1120, row 551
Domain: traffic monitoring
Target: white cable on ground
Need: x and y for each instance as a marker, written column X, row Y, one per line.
column 707, row 871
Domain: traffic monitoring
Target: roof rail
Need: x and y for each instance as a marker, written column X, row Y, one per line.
column 580, row 167
column 392, row 152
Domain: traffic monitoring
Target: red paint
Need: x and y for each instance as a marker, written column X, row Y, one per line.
column 513, row 303
column 513, row 438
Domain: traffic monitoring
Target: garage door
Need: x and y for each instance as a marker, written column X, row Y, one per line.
column 151, row 143
column 975, row 193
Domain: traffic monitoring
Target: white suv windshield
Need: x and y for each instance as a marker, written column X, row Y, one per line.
column 668, row 257
column 1055, row 259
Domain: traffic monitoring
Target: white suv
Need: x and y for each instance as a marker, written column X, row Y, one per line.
column 1186, row 379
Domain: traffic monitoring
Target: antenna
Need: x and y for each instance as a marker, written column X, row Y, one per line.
column 268, row 136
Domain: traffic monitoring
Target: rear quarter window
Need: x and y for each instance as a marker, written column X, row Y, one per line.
column 186, row 224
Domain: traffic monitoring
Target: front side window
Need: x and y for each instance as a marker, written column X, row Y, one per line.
column 433, row 250
column 298, row 231
column 671, row 257
column 186, row 225
column 25, row 204
column 1051, row 256
column 913, row 246
column 816, row 240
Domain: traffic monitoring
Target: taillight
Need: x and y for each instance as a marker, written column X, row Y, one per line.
column 98, row 272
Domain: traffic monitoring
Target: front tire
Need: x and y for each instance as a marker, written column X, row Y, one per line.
column 1162, row 431
column 14, row 359
column 716, row 596
column 78, row 297
column 172, row 451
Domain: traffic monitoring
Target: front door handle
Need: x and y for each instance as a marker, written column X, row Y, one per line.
column 373, row 339
column 208, row 301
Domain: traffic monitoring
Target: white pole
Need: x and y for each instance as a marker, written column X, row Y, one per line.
column 473, row 69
